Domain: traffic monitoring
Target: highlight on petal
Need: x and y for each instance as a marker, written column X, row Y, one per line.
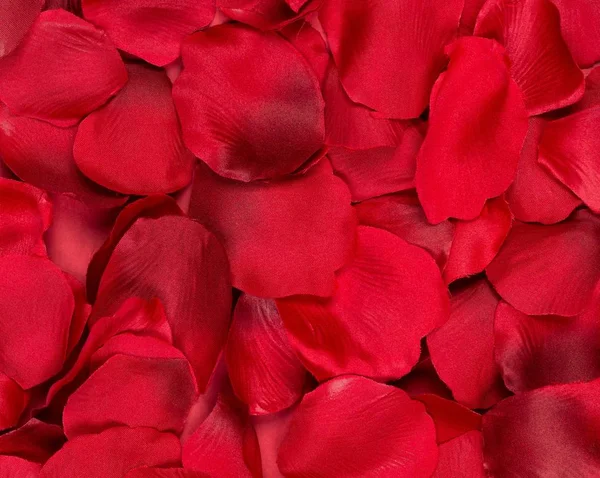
column 274, row 125
column 13, row 400
column 476, row 130
column 476, row 242
column 149, row 29
column 36, row 306
column 462, row 456
column 113, row 452
column 536, row 351
column 35, row 441
column 540, row 61
column 330, row 435
column 266, row 227
column 556, row 425
column 25, row 215
column 402, row 215
column 387, row 299
column 543, row 270
column 263, row 368
column 133, row 144
column 267, row 14
column 468, row 339
column 63, row 69
column 536, row 195
column 17, row 17
column 389, row 53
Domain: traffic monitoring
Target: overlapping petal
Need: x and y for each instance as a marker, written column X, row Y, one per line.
column 13, row 400
column 14, row 467
column 462, row 456
column 34, row 441
column 267, row 14
column 17, row 17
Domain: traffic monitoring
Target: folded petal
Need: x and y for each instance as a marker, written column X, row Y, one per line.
column 266, row 14
column 282, row 237
column 63, row 69
column 389, row 53
column 469, row 16
column 462, row 456
column 477, row 242
column 556, row 427
column 541, row 62
column 536, row 195
column 35, row 441
column 554, row 269
column 330, row 434
column 424, row 380
column 387, row 299
column 14, row 467
column 264, row 370
column 149, row 29
column 468, row 339
column 476, row 130
column 13, row 400
column 113, row 453
column 274, row 125
column 17, row 17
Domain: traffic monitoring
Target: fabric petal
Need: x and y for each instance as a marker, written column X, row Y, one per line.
column 468, row 339
column 329, row 435
column 424, row 380
column 265, row 14
column 541, row 63
column 133, row 144
column 264, row 370
column 476, row 130
column 305, row 221
column 462, row 456
column 543, row 270
column 164, row 473
column 62, row 70
column 13, row 467
column 469, row 16
column 35, row 441
column 73, row 6
column 557, row 426
column 476, row 242
column 311, row 45
column 389, row 53
column 17, row 17
column 387, row 299
column 13, row 400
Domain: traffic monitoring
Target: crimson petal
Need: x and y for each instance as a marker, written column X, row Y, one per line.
column 14, row 467
column 311, row 45
column 266, row 14
column 35, row 441
column 462, row 457
column 17, row 17
column 13, row 400
column 164, row 473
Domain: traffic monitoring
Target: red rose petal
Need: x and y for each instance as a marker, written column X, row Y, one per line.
column 591, row 98
column 271, row 430
column 544, row 433
column 17, row 17
column 13, row 400
column 62, row 70
column 541, row 63
column 265, row 14
column 36, row 306
column 25, row 215
column 330, row 434
column 274, row 125
column 469, row 16
column 164, row 473
column 535, row 195
column 386, row 300
column 536, row 351
column 81, row 312
column 13, row 467
column 149, row 29
column 73, row 6
column 282, row 238
column 35, row 441
column 424, row 380
column 113, row 453
column 401, row 214
column 133, row 144
column 311, row 45
column 389, row 53
column 264, row 370
column 462, row 457
column 476, row 242
column 476, row 130
column 462, row 350
column 554, row 269
column 180, row 262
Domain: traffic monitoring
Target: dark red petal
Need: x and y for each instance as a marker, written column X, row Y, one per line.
column 164, row 473
column 477, row 242
column 36, row 306
column 180, row 262
column 535, row 195
column 352, row 426
column 25, row 215
column 468, row 339
column 469, row 16
column 62, row 70
column 569, row 149
column 544, row 433
column 282, row 238
column 264, row 370
column 81, row 312
column 389, row 53
column 402, row 215
column 13, row 467
column 476, row 130
column 462, row 457
column 35, row 441
column 424, row 380
column 386, row 300
column 73, row 6
column 536, row 351
column 17, row 17
column 113, row 453
column 13, row 400
column 149, row 29
column 554, row 269
column 541, row 63
column 274, row 125
column 133, row 144
column 251, row 451
column 311, row 45
column 265, row 14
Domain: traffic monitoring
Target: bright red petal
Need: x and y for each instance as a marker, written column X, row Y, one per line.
column 352, row 426
column 62, row 70
column 13, row 400
column 476, row 130
column 469, row 16
column 265, row 14
column 17, row 17
column 14, row 467
column 462, row 457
